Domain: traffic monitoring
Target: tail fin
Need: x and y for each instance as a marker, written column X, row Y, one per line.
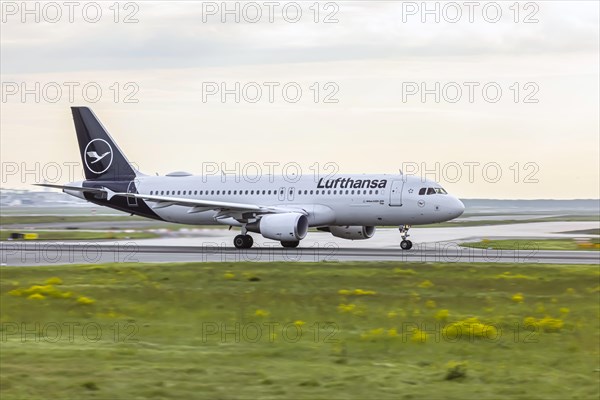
column 102, row 159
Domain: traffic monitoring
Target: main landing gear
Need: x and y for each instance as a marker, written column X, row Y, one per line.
column 243, row 241
column 405, row 244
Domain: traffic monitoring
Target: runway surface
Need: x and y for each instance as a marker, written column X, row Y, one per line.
column 57, row 253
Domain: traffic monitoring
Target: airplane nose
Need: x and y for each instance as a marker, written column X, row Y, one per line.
column 460, row 208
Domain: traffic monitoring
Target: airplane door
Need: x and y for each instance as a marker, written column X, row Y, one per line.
column 396, row 193
column 291, row 194
column 132, row 201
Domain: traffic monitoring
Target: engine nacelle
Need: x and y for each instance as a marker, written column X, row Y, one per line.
column 288, row 227
column 352, row 232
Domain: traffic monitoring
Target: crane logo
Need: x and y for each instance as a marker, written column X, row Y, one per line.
column 98, row 156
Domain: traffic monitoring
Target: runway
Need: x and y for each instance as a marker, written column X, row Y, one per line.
column 58, row 253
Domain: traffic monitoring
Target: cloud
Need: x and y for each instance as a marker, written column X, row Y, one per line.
column 175, row 36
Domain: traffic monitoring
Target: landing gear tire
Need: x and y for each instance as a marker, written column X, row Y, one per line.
column 290, row 244
column 405, row 244
column 243, row 241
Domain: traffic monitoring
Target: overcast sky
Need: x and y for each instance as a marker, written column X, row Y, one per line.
column 373, row 59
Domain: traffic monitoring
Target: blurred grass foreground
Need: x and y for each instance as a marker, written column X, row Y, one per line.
column 300, row 330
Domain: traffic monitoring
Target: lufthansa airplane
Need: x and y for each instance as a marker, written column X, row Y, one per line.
column 347, row 206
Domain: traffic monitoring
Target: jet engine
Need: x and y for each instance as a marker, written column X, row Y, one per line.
column 352, row 232
column 287, row 227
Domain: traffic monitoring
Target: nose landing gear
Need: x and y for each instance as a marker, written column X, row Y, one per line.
column 405, row 244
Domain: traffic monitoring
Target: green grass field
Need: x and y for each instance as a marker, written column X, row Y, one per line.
column 47, row 219
column 81, row 235
column 300, row 331
column 533, row 244
column 508, row 221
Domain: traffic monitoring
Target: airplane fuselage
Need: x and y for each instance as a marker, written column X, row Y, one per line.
column 338, row 200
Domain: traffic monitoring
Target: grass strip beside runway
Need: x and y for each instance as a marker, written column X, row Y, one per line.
column 300, row 330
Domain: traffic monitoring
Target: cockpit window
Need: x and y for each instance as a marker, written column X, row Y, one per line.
column 422, row 191
column 430, row 191
column 440, row 190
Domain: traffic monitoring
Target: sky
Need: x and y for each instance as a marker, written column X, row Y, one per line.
column 493, row 100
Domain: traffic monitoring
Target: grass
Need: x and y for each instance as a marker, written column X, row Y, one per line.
column 509, row 221
column 81, row 235
column 586, row 231
column 49, row 219
column 299, row 330
column 534, row 244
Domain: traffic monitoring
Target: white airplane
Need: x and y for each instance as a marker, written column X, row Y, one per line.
column 347, row 206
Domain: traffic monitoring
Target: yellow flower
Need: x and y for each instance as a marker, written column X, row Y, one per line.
column 36, row 296
column 299, row 323
column 419, row 336
column 261, row 313
column 470, row 328
column 392, row 332
column 228, row 275
column 570, row 291
column 426, row 284
column 518, row 298
column 54, row 281
column 430, row 304
column 564, row 310
column 372, row 334
column 392, row 314
column 344, row 292
column 346, row 308
column 442, row 315
column 360, row 292
column 548, row 324
column 85, row 300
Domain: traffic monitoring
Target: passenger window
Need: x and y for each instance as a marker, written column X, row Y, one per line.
column 212, row 192
column 329, row 192
column 311, row 192
column 364, row 192
column 252, row 192
column 195, row 192
column 376, row 191
column 162, row 192
column 370, row 191
column 264, row 192
column 246, row 192
column 430, row 191
column 335, row 192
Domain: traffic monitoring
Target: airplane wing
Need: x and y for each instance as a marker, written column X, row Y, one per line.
column 197, row 205
column 226, row 210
